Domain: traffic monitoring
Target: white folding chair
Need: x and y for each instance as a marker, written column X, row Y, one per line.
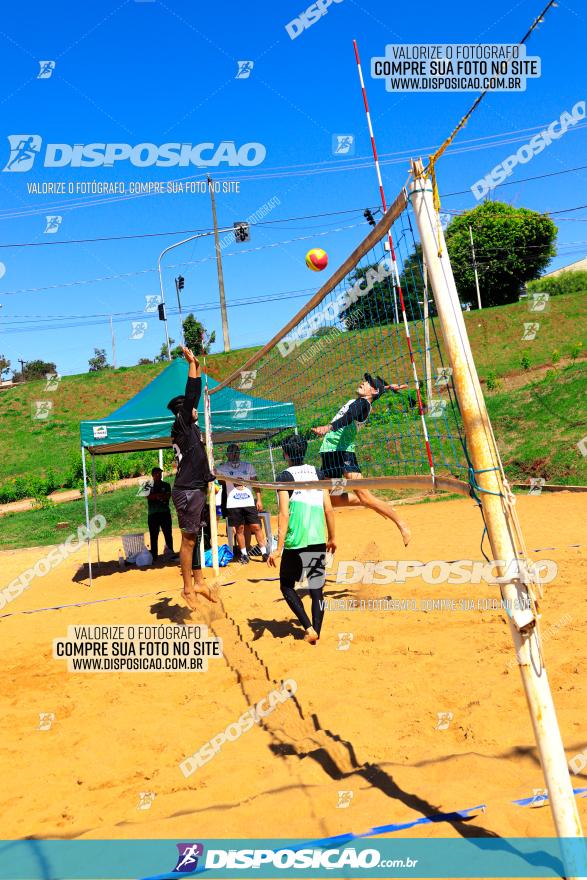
column 133, row 545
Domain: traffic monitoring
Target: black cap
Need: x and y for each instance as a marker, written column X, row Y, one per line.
column 176, row 403
column 379, row 384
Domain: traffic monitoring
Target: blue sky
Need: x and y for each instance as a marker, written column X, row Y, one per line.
column 158, row 72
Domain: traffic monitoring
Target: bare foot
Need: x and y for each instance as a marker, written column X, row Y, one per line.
column 189, row 599
column 206, row 592
column 406, row 534
column 311, row 636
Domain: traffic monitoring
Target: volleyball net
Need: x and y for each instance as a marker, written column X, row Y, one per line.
column 374, row 314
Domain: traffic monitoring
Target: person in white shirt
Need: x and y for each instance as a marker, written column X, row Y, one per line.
column 241, row 505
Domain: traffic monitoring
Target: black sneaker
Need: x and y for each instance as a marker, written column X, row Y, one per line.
column 255, row 551
column 244, row 560
column 265, row 557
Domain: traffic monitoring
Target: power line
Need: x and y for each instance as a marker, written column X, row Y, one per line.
column 463, row 192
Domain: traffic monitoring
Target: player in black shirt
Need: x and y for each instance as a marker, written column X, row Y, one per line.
column 192, row 478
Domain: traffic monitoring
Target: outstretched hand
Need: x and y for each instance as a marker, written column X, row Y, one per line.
column 321, row 430
column 190, row 356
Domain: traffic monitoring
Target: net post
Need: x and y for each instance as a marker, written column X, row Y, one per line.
column 499, row 516
column 211, row 487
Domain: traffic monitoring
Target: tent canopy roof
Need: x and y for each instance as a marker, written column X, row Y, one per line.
column 144, row 422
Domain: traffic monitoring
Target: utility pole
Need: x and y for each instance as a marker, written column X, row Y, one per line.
column 22, row 363
column 475, row 268
column 113, row 343
column 220, row 274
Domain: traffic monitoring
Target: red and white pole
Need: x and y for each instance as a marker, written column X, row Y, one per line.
column 396, row 280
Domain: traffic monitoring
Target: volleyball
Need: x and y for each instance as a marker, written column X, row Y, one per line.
column 316, row 259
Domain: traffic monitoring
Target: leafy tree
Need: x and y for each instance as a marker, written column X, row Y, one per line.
column 98, row 362
column 144, row 361
column 162, row 356
column 512, row 246
column 35, row 370
column 195, row 335
column 4, row 365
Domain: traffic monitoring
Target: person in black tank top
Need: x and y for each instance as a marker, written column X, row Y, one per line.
column 192, row 478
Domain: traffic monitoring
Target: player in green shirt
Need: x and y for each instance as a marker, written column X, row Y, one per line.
column 304, row 517
column 338, row 449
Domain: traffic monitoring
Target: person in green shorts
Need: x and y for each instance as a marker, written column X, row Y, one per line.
column 338, row 449
column 305, row 515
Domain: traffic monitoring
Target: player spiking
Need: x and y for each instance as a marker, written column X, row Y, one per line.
column 338, row 449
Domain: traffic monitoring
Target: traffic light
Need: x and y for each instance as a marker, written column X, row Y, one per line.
column 161, row 310
column 369, row 217
column 241, row 232
column 180, row 282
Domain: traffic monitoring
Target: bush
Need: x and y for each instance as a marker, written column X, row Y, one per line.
column 492, row 381
column 555, row 356
column 576, row 348
column 566, row 282
column 525, row 362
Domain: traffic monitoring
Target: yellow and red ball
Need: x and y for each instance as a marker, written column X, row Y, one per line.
column 316, row 259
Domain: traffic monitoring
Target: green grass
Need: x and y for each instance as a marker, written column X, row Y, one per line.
column 31, row 451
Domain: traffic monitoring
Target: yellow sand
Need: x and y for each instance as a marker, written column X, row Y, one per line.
column 364, row 719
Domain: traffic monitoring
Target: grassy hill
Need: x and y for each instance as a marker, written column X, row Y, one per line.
column 533, row 422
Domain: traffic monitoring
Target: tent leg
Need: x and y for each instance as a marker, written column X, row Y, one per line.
column 161, row 459
column 85, row 475
column 213, row 528
column 95, row 497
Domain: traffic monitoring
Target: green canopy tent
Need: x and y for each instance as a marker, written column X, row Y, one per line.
column 144, row 422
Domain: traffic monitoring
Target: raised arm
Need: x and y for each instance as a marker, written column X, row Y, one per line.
column 193, row 388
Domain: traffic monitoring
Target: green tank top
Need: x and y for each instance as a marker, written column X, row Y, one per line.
column 306, row 525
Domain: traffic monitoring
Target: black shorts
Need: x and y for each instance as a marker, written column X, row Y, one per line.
column 335, row 464
column 242, row 516
column 189, row 504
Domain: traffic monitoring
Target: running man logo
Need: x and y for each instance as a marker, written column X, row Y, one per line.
column 444, row 719
column 343, row 145
column 24, row 149
column 244, row 69
column 443, row 377
column 538, row 302
column 145, row 489
column 436, row 408
column 152, row 301
column 313, row 563
column 53, row 223
column 242, row 408
column 530, row 331
column 344, row 641
column 52, row 381
column 344, row 799
column 247, row 379
column 138, row 329
column 46, row 720
column 46, row 69
column 539, row 797
column 42, row 410
column 536, row 485
column 188, row 855
column 146, row 799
